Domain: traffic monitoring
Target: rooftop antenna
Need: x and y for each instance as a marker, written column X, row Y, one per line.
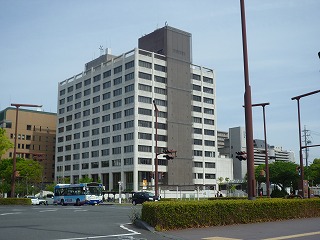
column 101, row 50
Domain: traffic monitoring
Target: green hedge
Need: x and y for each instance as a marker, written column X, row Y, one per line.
column 193, row 214
column 15, row 201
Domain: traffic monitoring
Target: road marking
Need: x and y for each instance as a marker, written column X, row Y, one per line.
column 81, row 210
column 220, row 238
column 107, row 236
column 294, row 236
column 49, row 210
column 4, row 214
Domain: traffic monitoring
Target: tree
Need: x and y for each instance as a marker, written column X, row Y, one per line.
column 5, row 142
column 29, row 174
column 284, row 174
column 313, row 172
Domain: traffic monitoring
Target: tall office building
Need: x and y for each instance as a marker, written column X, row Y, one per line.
column 36, row 137
column 107, row 124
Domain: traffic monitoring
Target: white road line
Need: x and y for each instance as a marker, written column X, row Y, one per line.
column 49, row 210
column 294, row 236
column 107, row 236
column 4, row 214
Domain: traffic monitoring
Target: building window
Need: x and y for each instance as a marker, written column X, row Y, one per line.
column 196, row 77
column 208, row 90
column 208, row 121
column 117, row 70
column 208, row 111
column 95, row 121
column 145, row 76
column 116, row 162
column 160, row 90
column 77, row 105
column 208, row 80
column 128, row 161
column 96, row 78
column 85, row 144
column 85, row 155
column 116, row 138
column 106, row 107
column 146, row 136
column 85, row 165
column 117, row 103
column 62, row 92
column 128, row 149
column 77, row 125
column 129, row 100
column 129, row 76
column 196, row 98
column 87, row 82
column 117, row 115
column 85, row 134
column 197, row 130
column 209, row 154
column 129, row 65
column 129, row 88
column 117, row 92
column 86, row 102
column 96, row 110
column 208, row 132
column 196, row 87
column 210, row 176
column 117, row 81
column 144, row 161
column 116, row 127
column 145, row 88
column 198, row 164
column 96, row 88
column 144, row 99
column 105, row 152
column 104, row 163
column 78, row 95
column 210, row 165
column 70, row 98
column 107, row 85
column 209, row 143
column 107, row 74
column 145, row 124
column 95, row 154
column 86, row 123
column 95, row 131
column 208, row 100
column 197, row 109
column 87, row 92
column 129, row 112
column 76, row 136
column 160, row 79
column 77, row 115
column 143, row 148
column 106, row 95
column 160, row 68
column 86, row 112
column 79, row 85
column 144, row 111
column 129, row 124
column 106, row 118
column 105, row 129
column 197, row 141
column 105, row 140
column 95, row 165
column 128, row 136
column 145, row 64
column 62, row 101
column 116, row 150
column 197, row 153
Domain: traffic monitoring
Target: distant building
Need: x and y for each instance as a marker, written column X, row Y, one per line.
column 237, row 143
column 36, row 137
column 107, row 123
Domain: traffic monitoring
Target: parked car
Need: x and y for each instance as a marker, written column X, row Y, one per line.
column 141, row 197
column 34, row 200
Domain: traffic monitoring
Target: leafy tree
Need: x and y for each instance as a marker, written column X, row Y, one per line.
column 283, row 174
column 29, row 174
column 86, row 179
column 312, row 172
column 5, row 142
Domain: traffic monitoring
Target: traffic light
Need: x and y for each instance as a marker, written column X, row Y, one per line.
column 298, row 169
column 169, row 154
column 241, row 155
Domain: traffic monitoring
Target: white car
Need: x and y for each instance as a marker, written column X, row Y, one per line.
column 34, row 200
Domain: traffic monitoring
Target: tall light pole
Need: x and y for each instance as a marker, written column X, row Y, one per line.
column 265, row 145
column 13, row 182
column 248, row 110
column 156, row 182
column 300, row 141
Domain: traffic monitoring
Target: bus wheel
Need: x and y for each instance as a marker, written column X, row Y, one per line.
column 78, row 202
column 62, row 202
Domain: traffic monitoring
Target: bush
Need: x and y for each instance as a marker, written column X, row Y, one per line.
column 193, row 214
column 15, row 201
column 277, row 193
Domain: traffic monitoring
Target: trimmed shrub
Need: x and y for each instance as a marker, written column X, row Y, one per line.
column 15, row 201
column 195, row 214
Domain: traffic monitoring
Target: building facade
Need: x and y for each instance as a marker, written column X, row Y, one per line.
column 107, row 124
column 36, row 137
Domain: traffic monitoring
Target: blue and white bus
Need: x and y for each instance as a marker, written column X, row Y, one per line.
column 78, row 194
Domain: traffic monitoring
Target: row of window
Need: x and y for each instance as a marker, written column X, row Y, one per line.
column 207, row 164
column 206, row 175
column 204, row 79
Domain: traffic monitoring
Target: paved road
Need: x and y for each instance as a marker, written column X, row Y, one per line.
column 114, row 222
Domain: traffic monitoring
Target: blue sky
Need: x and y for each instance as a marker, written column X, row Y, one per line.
column 45, row 42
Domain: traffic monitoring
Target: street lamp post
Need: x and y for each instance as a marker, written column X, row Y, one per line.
column 17, row 105
column 300, row 141
column 265, row 145
column 248, row 110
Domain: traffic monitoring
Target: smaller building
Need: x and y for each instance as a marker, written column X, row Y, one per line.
column 36, row 134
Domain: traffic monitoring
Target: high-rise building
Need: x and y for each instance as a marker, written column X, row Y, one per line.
column 107, row 123
column 36, row 137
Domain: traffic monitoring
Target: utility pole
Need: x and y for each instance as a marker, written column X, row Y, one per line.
column 307, row 141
